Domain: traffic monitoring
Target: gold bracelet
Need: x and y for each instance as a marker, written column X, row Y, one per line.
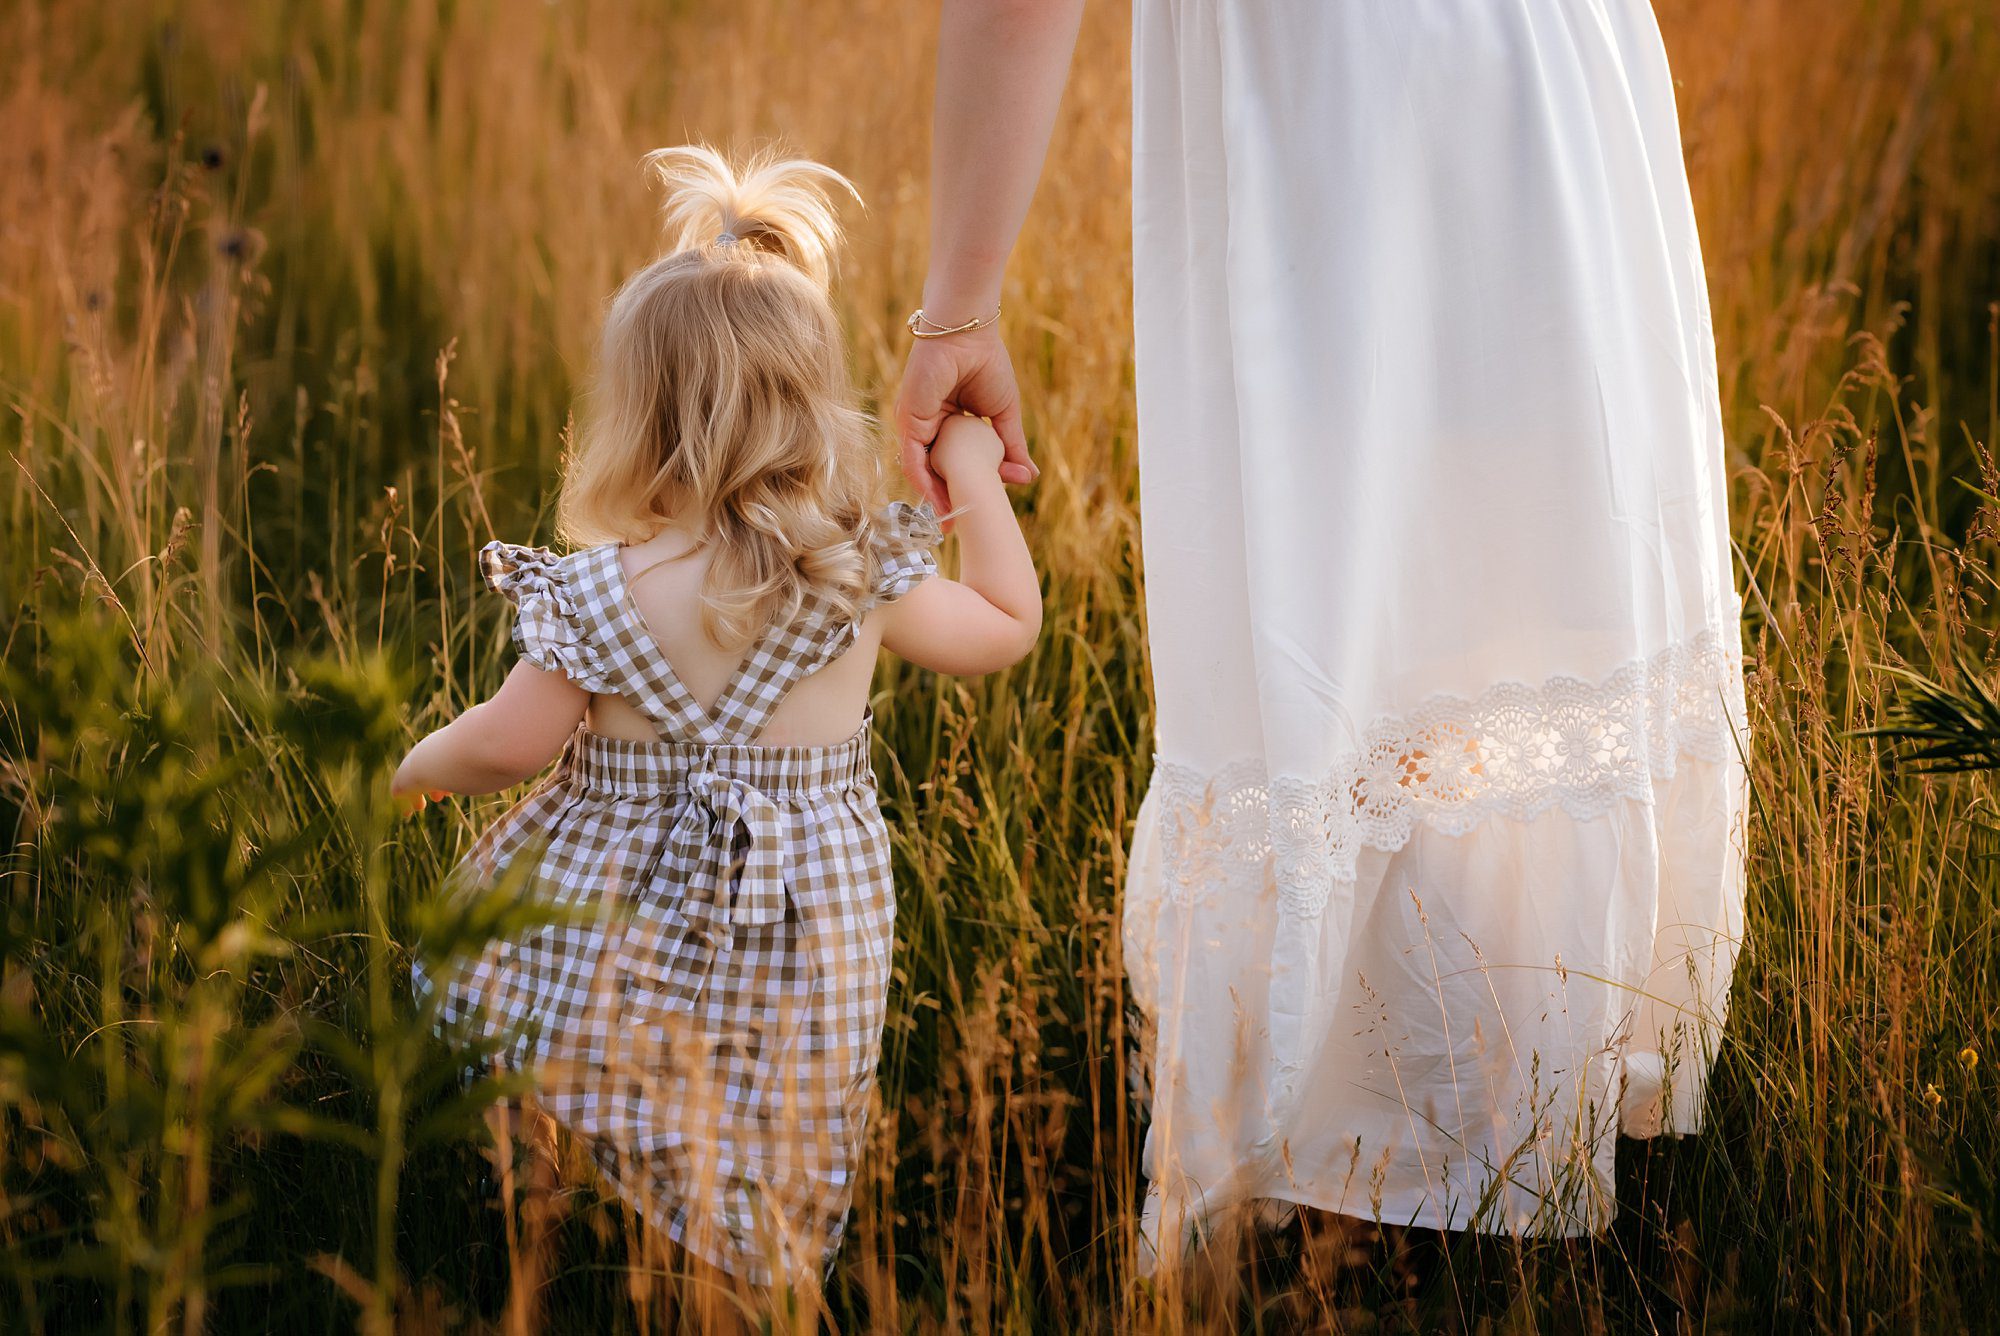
column 918, row 320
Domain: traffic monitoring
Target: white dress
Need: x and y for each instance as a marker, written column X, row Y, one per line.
column 1439, row 882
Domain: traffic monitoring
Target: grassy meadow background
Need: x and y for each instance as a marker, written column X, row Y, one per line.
column 293, row 300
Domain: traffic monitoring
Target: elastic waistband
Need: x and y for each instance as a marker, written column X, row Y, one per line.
column 639, row 769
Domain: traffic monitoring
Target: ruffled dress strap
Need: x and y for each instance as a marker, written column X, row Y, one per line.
column 904, row 550
column 902, row 554
column 553, row 623
column 572, row 616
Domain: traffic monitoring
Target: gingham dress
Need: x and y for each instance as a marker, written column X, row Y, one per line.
column 709, row 1019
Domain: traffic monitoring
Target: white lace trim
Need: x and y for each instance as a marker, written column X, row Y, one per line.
column 1516, row 752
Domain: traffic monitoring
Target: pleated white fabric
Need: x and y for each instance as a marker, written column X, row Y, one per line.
column 1438, row 885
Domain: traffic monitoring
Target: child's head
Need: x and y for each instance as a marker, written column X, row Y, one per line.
column 722, row 399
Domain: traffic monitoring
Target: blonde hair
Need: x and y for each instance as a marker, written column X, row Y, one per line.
column 722, row 398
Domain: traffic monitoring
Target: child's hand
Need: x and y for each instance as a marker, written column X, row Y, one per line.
column 409, row 796
column 966, row 452
column 409, row 804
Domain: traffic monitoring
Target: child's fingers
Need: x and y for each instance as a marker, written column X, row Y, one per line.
column 409, row 804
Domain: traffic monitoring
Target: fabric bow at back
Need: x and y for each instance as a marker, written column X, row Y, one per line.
column 703, row 889
column 723, row 888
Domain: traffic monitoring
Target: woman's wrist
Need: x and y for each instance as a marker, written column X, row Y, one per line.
column 953, row 301
column 922, row 327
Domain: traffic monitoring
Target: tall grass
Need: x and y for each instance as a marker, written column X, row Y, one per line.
column 292, row 302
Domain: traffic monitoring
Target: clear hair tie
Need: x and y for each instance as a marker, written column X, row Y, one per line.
column 725, row 238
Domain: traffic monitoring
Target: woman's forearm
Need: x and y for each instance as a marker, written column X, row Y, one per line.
column 1000, row 72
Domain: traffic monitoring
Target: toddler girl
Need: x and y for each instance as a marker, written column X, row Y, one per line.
column 709, row 1022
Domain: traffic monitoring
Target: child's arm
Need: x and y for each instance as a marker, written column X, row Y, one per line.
column 989, row 617
column 497, row 743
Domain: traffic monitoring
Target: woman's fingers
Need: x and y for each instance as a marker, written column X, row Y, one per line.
column 929, row 380
column 919, row 413
column 915, row 456
column 989, row 390
column 916, row 459
column 1016, row 468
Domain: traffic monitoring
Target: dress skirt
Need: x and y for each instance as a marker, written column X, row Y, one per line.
column 706, row 1013
column 1439, row 882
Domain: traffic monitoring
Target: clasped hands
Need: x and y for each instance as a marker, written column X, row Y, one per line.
column 964, row 373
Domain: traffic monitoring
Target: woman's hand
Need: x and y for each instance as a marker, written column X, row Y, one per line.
column 960, row 373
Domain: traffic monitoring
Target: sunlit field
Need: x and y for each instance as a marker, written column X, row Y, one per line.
column 293, row 301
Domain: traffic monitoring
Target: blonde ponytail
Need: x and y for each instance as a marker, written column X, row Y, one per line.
column 782, row 206
column 722, row 399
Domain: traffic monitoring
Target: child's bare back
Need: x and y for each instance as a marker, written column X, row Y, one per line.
column 932, row 626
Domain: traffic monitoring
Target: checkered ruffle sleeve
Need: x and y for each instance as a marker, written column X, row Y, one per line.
column 551, row 626
column 905, row 552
